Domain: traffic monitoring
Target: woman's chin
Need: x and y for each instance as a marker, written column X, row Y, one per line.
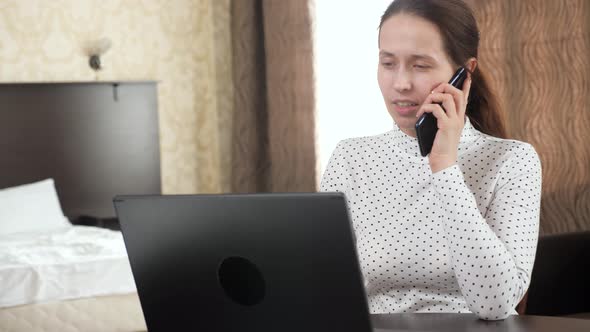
column 408, row 126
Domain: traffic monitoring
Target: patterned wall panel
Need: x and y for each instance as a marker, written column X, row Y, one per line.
column 536, row 53
column 183, row 44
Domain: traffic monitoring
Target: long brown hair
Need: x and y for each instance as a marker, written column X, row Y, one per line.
column 460, row 35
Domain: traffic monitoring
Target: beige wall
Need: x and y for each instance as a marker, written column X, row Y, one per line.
column 183, row 44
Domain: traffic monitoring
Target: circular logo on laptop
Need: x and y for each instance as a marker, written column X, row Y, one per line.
column 241, row 280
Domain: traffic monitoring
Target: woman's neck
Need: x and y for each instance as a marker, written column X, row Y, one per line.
column 409, row 131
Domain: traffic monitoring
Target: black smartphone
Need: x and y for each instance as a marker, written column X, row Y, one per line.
column 426, row 126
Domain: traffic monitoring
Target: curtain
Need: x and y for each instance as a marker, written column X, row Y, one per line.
column 273, row 134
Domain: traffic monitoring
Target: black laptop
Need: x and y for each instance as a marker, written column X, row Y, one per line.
column 251, row 262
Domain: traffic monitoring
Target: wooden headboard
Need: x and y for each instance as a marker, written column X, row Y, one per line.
column 96, row 140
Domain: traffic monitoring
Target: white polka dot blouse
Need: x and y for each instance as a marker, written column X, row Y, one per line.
column 459, row 240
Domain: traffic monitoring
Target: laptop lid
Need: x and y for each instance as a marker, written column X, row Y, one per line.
column 251, row 262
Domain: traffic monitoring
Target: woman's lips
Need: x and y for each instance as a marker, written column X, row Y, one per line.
column 405, row 108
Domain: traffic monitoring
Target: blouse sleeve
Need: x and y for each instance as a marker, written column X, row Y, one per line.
column 336, row 177
column 493, row 255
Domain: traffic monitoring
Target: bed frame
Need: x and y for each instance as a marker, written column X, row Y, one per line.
column 96, row 139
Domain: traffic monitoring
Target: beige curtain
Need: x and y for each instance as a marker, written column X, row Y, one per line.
column 537, row 54
column 273, row 145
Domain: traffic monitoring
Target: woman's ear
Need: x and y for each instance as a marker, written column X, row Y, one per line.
column 471, row 64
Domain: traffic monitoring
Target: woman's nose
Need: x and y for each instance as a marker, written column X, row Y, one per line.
column 402, row 81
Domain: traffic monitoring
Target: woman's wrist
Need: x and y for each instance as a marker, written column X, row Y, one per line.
column 438, row 164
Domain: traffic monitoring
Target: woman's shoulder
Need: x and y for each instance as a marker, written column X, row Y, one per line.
column 507, row 143
column 512, row 150
column 364, row 142
column 359, row 147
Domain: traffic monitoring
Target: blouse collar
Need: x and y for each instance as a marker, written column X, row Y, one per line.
column 409, row 145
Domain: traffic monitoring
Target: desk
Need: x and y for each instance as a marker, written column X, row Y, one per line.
column 469, row 322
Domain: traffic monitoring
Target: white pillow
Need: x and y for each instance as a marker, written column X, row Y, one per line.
column 31, row 207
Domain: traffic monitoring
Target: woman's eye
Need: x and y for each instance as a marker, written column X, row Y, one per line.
column 387, row 64
column 422, row 66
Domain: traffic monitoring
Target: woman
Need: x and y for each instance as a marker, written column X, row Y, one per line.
column 455, row 231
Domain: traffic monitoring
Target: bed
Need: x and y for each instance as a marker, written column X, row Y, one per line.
column 67, row 149
column 73, row 278
column 100, row 313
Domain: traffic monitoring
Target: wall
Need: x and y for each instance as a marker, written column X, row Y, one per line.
column 183, row 44
column 536, row 53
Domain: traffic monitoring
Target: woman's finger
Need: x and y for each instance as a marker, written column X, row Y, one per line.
column 457, row 94
column 426, row 101
column 448, row 103
column 440, row 115
column 435, row 109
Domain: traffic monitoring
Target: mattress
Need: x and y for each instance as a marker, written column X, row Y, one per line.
column 68, row 263
column 106, row 313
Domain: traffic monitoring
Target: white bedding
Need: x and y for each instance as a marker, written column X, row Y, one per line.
column 68, row 263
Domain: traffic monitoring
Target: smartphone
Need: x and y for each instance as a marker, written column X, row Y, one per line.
column 426, row 126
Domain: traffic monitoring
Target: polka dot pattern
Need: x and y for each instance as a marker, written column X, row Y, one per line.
column 459, row 240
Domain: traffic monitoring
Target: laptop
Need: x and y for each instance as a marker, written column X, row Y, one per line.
column 244, row 262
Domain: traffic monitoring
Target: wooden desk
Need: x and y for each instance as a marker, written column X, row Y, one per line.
column 469, row 322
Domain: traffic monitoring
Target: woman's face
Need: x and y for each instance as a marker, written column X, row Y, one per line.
column 412, row 62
